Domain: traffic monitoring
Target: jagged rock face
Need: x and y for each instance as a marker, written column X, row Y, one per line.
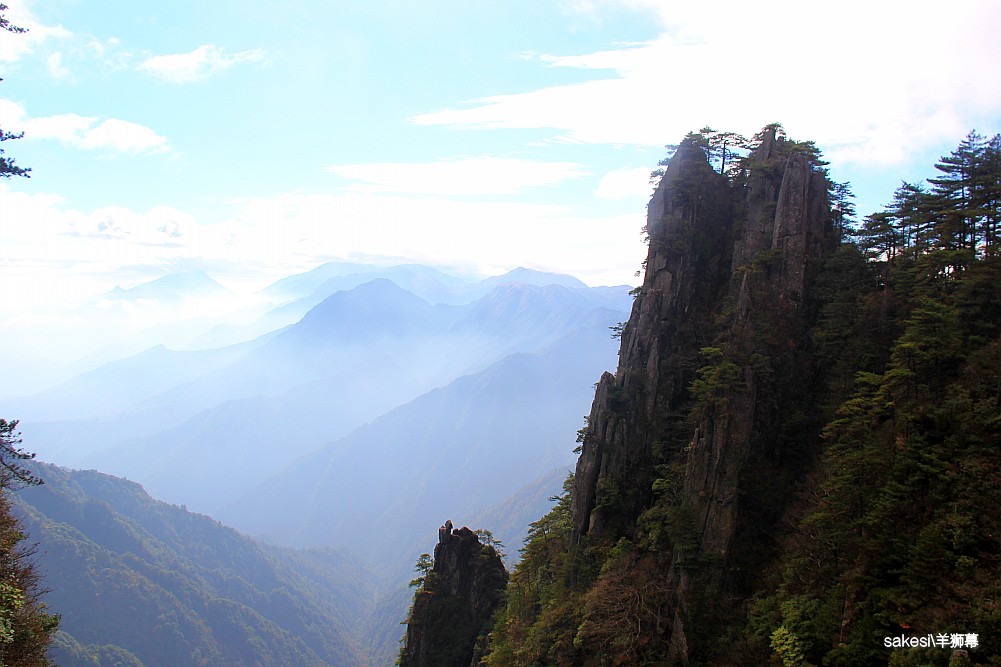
column 452, row 610
column 728, row 266
column 688, row 222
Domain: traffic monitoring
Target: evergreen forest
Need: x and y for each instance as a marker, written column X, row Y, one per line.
column 867, row 506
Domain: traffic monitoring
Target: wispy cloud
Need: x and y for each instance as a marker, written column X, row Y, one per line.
column 162, row 226
column 86, row 132
column 483, row 175
column 13, row 47
column 55, row 65
column 624, row 183
column 42, row 234
column 880, row 101
column 196, row 65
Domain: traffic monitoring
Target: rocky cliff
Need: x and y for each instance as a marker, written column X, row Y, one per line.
column 797, row 456
column 454, row 603
column 695, row 422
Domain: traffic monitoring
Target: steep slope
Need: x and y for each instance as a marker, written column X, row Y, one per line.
column 712, row 365
column 454, row 602
column 141, row 582
column 690, row 446
column 795, row 459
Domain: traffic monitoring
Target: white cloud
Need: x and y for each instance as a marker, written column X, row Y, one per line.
column 14, row 46
column 624, row 183
column 198, row 64
column 87, row 132
column 63, row 250
column 123, row 136
column 465, row 176
column 870, row 82
column 55, row 64
column 490, row 237
column 56, row 252
column 110, row 52
column 161, row 226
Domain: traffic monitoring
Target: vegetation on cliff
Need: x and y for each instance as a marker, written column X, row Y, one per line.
column 26, row 627
column 457, row 592
column 798, row 454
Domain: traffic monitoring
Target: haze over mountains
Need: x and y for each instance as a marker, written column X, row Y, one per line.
column 172, row 419
column 357, row 411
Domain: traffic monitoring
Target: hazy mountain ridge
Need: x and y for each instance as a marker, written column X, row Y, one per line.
column 463, row 445
column 418, row 397
column 353, row 357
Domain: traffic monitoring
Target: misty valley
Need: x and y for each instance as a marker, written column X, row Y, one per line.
column 354, row 410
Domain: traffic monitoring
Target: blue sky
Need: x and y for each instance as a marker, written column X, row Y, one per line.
column 255, row 140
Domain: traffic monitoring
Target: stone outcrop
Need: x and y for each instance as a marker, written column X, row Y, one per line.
column 724, row 292
column 452, row 609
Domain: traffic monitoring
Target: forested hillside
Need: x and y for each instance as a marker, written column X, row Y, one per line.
column 140, row 582
column 798, row 456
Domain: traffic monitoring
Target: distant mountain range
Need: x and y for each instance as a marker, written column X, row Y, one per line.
column 173, row 419
column 448, row 453
column 364, row 408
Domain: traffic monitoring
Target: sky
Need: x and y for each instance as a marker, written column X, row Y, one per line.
column 255, row 140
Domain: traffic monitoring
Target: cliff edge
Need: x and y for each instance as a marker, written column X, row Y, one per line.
column 454, row 602
column 692, row 422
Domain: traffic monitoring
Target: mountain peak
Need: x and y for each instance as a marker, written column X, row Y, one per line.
column 172, row 286
column 458, row 593
column 528, row 276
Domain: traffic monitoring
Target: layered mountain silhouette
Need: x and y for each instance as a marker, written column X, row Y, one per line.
column 173, row 419
column 369, row 404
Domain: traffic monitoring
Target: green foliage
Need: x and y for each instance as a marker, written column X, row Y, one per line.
column 715, row 381
column 868, row 505
column 423, row 569
column 12, row 473
column 490, row 543
column 789, row 648
column 898, row 538
column 131, row 576
column 26, row 627
column 538, row 620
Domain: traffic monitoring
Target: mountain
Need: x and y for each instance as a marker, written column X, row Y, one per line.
column 523, row 276
column 509, row 519
column 122, row 385
column 296, row 295
column 795, row 461
column 302, row 285
column 78, row 337
column 457, row 595
column 171, row 289
column 353, row 357
column 688, row 452
column 137, row 581
column 464, row 445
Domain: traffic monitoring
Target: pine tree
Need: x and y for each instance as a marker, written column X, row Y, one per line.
column 26, row 627
column 7, row 166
